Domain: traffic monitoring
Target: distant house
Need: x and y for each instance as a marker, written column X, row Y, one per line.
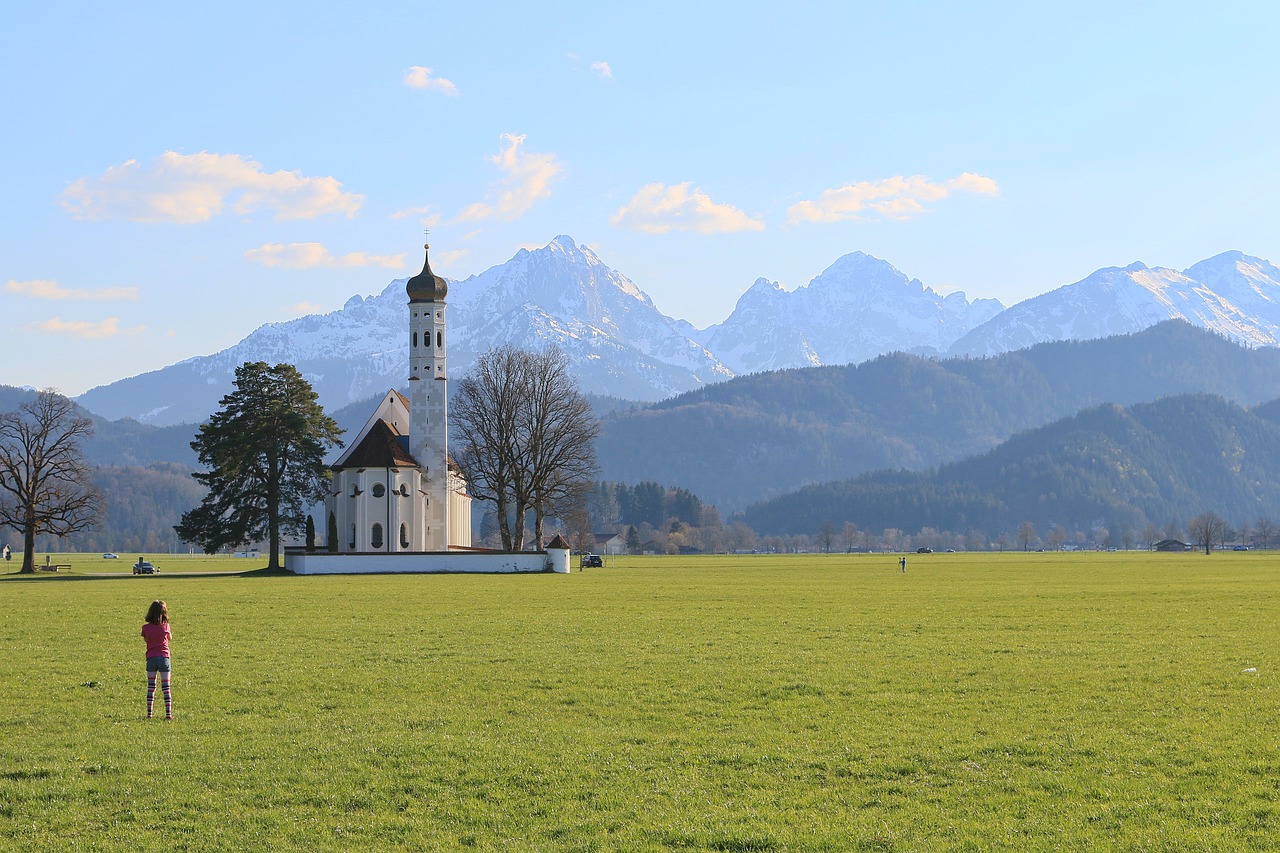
column 652, row 547
column 609, row 544
column 1172, row 545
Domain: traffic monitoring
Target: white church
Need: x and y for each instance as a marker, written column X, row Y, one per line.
column 395, row 491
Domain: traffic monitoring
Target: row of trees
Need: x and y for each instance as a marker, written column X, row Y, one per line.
column 527, row 445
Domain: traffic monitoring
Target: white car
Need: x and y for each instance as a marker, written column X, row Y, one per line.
column 110, row 557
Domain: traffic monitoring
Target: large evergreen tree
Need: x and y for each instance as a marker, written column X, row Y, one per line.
column 265, row 452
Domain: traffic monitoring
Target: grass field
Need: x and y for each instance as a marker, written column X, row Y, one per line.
column 979, row 701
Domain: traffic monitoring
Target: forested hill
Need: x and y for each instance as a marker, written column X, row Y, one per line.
column 1123, row 469
column 122, row 442
column 760, row 436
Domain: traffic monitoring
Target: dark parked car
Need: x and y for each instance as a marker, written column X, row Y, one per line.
column 924, row 550
column 142, row 567
column 591, row 561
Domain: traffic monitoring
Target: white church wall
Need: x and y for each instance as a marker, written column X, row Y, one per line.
column 302, row 563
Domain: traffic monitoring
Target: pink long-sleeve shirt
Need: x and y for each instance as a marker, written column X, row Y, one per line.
column 157, row 637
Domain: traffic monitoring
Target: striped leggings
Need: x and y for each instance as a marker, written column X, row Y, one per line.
column 165, row 689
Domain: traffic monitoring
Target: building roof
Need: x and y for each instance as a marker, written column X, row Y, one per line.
column 426, row 286
column 381, row 447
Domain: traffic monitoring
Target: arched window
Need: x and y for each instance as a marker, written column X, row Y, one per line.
column 404, row 490
column 404, row 536
column 439, row 339
column 415, row 340
column 379, row 490
column 352, row 543
column 375, row 536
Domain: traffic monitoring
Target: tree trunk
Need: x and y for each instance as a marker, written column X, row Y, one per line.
column 29, row 550
column 504, row 525
column 517, row 532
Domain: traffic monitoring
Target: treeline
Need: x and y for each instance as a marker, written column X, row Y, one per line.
column 142, row 504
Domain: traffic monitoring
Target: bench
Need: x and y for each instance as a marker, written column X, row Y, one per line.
column 54, row 567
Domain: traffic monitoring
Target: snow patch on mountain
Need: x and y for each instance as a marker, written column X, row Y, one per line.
column 858, row 308
column 1233, row 294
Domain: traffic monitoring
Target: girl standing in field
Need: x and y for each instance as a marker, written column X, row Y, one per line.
column 157, row 634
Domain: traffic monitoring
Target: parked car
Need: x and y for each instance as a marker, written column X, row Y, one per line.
column 592, row 561
column 110, row 557
column 924, row 550
column 1240, row 548
column 142, row 567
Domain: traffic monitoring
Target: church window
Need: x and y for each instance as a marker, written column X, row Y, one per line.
column 439, row 339
column 352, row 543
column 404, row 490
column 375, row 536
column 379, row 490
column 415, row 340
column 404, row 536
column 355, row 490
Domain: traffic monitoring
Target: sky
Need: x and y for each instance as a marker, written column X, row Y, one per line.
column 177, row 175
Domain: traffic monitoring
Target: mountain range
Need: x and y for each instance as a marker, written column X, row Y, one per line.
column 1123, row 469
column 756, row 437
column 622, row 345
column 947, row 437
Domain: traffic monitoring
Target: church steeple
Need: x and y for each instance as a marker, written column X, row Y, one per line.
column 429, row 403
column 426, row 286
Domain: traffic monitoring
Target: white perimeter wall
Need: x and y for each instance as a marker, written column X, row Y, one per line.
column 362, row 564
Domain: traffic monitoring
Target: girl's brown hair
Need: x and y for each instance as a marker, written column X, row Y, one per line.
column 158, row 612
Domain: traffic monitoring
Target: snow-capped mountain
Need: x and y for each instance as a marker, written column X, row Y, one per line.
column 618, row 341
column 621, row 345
column 1233, row 294
column 858, row 308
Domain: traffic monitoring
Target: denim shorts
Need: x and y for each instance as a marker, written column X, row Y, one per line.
column 158, row 665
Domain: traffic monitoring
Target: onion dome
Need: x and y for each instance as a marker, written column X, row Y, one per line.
column 426, row 286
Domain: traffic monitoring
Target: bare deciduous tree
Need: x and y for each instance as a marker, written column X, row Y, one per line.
column 1265, row 530
column 559, row 458
column 43, row 475
column 485, row 415
column 527, row 438
column 1026, row 534
column 1206, row 529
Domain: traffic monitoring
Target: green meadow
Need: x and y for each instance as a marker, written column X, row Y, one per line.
column 976, row 702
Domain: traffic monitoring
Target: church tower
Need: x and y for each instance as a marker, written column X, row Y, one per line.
column 429, row 403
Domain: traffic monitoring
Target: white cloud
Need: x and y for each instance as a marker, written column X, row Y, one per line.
column 308, row 308
column 302, row 256
column 444, row 260
column 429, row 219
column 603, row 69
column 892, row 198
column 46, row 289
column 658, row 209
column 187, row 188
column 108, row 328
column 419, row 77
column 528, row 179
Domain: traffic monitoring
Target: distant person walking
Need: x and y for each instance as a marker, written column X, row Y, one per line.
column 903, row 563
column 157, row 634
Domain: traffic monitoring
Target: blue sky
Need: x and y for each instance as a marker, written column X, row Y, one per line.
column 176, row 176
